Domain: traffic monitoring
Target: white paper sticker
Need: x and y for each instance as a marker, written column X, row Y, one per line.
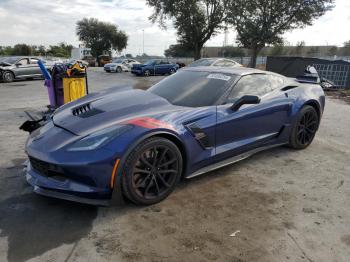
column 219, row 76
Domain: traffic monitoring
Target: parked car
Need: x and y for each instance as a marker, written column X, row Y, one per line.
column 143, row 142
column 154, row 67
column 103, row 60
column 119, row 65
column 20, row 67
column 219, row 62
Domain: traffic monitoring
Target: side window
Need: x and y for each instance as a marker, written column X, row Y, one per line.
column 23, row 61
column 34, row 61
column 164, row 62
column 220, row 63
column 229, row 63
column 256, row 85
column 276, row 82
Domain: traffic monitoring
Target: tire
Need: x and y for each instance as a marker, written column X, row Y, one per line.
column 172, row 71
column 151, row 171
column 8, row 77
column 119, row 69
column 147, row 73
column 305, row 128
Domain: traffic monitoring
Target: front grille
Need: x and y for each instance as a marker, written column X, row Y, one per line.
column 45, row 169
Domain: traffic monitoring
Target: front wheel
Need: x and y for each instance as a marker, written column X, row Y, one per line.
column 147, row 73
column 172, row 71
column 119, row 69
column 304, row 129
column 8, row 77
column 151, row 171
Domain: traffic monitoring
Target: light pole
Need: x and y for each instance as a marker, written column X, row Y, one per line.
column 143, row 41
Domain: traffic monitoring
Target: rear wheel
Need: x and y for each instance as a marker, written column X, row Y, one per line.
column 8, row 77
column 304, row 129
column 151, row 171
column 147, row 73
column 119, row 69
column 172, row 71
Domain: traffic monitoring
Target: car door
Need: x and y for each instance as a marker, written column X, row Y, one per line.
column 162, row 67
column 22, row 67
column 34, row 67
column 252, row 125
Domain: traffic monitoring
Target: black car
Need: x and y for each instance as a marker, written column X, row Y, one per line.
column 20, row 67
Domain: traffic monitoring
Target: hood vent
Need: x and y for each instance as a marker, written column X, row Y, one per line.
column 85, row 111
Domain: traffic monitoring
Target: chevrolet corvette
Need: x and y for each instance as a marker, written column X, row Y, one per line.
column 141, row 143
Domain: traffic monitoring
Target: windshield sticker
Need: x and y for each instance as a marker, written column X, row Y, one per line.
column 219, row 76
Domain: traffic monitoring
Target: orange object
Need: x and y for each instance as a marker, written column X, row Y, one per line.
column 114, row 172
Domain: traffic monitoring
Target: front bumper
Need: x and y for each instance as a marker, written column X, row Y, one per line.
column 59, row 186
column 136, row 71
column 110, row 69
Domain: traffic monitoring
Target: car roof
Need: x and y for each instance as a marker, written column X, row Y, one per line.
column 228, row 70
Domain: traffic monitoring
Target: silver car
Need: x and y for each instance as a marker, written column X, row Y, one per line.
column 20, row 67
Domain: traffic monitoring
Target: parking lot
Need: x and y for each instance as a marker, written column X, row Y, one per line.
column 279, row 205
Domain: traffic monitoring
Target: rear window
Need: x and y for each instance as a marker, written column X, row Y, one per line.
column 193, row 89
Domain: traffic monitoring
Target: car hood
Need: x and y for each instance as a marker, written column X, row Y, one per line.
column 100, row 110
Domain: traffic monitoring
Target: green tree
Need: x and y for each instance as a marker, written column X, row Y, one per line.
column 313, row 51
column 298, row 50
column 6, row 50
column 100, row 36
column 332, row 51
column 261, row 22
column 178, row 50
column 22, row 49
column 60, row 50
column 277, row 49
column 195, row 21
column 346, row 48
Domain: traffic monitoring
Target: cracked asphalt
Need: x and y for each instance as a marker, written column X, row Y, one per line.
column 282, row 204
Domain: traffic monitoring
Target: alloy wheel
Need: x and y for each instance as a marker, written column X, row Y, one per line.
column 307, row 128
column 155, row 172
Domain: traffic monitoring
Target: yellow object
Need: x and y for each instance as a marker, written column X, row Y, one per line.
column 77, row 68
column 73, row 88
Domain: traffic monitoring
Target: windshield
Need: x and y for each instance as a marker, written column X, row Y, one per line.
column 117, row 61
column 202, row 62
column 9, row 60
column 193, row 89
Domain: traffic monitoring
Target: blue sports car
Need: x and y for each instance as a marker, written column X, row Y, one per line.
column 141, row 143
column 154, row 67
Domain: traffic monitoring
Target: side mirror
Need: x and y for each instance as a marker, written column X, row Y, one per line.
column 245, row 100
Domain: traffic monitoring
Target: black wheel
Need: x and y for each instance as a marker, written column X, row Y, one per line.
column 147, row 73
column 151, row 171
column 172, row 71
column 304, row 129
column 119, row 69
column 8, row 77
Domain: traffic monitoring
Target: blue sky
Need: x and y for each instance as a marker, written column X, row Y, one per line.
column 49, row 22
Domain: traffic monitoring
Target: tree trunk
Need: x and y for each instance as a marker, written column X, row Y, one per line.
column 197, row 51
column 253, row 56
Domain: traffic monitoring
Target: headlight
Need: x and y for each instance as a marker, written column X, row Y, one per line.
column 99, row 138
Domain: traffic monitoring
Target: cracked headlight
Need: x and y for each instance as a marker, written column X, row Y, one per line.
column 99, row 138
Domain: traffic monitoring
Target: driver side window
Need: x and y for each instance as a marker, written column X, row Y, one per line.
column 23, row 61
column 255, row 85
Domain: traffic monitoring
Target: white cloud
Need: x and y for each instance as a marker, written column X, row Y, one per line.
column 49, row 22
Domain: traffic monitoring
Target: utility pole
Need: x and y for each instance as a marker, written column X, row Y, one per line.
column 143, row 41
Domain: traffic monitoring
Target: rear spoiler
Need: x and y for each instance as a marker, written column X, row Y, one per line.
column 310, row 79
